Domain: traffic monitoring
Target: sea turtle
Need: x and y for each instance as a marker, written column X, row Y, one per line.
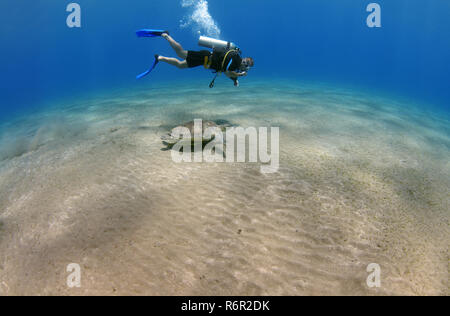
column 172, row 138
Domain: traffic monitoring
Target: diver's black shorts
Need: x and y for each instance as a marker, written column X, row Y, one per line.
column 195, row 59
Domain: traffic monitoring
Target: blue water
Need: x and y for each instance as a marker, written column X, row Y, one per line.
column 311, row 40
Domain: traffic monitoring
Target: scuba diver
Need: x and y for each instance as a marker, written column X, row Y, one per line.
column 225, row 57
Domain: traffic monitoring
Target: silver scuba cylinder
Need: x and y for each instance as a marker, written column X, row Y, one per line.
column 216, row 44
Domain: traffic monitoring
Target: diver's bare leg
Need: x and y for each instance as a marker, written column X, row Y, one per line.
column 182, row 53
column 174, row 62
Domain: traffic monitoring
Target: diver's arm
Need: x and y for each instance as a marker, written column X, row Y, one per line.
column 234, row 74
column 232, row 77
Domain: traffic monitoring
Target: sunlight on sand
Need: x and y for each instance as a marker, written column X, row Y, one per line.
column 361, row 180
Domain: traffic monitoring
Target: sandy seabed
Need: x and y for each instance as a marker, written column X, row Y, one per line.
column 363, row 179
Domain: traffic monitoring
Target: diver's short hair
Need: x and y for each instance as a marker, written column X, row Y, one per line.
column 251, row 61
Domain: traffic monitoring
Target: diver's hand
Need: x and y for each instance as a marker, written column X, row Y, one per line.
column 236, row 83
column 165, row 35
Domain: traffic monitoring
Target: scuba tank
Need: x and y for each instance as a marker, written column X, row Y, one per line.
column 216, row 44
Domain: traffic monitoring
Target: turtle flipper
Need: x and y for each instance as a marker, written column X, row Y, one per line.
column 169, row 139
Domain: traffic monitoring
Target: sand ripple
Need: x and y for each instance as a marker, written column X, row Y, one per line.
column 360, row 181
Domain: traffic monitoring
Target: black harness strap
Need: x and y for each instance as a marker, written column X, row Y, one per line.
column 211, row 85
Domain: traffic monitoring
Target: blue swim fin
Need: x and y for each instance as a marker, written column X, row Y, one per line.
column 150, row 33
column 142, row 75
